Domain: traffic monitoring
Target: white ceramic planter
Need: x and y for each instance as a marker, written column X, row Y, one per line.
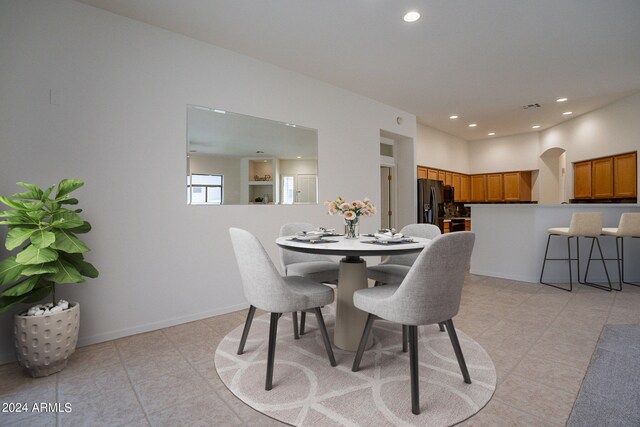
column 44, row 343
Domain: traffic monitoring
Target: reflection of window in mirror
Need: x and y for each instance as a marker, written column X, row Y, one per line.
column 287, row 190
column 204, row 189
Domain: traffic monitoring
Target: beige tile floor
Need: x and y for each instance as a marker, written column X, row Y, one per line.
column 540, row 339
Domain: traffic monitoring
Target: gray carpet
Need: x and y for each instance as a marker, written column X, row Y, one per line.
column 610, row 392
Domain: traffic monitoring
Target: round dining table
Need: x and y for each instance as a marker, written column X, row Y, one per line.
column 350, row 320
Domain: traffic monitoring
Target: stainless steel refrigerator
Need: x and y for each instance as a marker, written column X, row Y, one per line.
column 430, row 201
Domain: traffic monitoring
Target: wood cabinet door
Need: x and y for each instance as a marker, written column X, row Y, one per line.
column 442, row 176
column 494, row 187
column 602, row 178
column 478, row 188
column 465, row 188
column 511, row 182
column 582, row 180
column 422, row 172
column 625, row 174
column 467, row 225
column 432, row 174
column 448, row 178
column 456, row 183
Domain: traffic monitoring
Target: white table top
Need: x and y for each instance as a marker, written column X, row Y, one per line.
column 352, row 247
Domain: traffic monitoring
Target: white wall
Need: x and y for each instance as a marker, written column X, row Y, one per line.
column 609, row 130
column 440, row 150
column 228, row 167
column 121, row 126
column 509, row 153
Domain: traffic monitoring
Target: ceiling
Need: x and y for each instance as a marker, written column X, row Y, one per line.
column 481, row 60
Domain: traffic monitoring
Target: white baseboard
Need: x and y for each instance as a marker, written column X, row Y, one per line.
column 502, row 275
column 9, row 356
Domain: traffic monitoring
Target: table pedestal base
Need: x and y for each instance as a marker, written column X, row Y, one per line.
column 350, row 321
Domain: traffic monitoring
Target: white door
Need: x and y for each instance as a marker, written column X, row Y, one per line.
column 307, row 189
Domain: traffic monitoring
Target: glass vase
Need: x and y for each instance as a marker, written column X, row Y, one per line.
column 351, row 228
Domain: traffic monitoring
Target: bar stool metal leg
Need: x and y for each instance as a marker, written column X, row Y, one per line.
column 544, row 262
column 621, row 262
column 595, row 240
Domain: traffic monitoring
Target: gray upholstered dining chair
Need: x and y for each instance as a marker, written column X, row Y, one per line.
column 267, row 290
column 429, row 294
column 395, row 267
column 319, row 268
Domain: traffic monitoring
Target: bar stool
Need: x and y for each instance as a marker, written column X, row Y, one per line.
column 583, row 224
column 629, row 226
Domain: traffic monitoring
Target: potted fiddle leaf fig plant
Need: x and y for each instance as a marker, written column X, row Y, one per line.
column 44, row 251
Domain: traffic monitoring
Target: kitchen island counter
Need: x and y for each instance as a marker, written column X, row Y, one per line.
column 511, row 239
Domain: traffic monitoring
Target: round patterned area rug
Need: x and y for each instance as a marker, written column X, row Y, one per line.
column 308, row 391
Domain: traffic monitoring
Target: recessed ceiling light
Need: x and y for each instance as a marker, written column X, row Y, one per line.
column 412, row 16
column 298, row 157
column 491, row 133
column 535, row 126
column 453, row 117
column 561, row 99
column 566, row 113
column 220, row 111
column 472, row 125
column 265, row 161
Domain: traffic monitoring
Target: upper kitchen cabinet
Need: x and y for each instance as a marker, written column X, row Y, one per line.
column 602, row 178
column 494, row 187
column 448, row 178
column 432, row 174
column 582, row 180
column 442, row 176
column 625, row 175
column 465, row 188
column 422, row 172
column 611, row 177
column 517, row 186
column 478, row 188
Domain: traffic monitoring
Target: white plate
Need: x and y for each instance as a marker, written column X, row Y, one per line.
column 391, row 239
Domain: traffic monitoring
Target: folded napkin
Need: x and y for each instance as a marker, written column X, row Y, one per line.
column 326, row 230
column 311, row 233
column 389, row 235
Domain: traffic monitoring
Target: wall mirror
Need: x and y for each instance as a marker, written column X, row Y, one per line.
column 234, row 159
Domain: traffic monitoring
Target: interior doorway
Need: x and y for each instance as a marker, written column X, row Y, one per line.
column 387, row 219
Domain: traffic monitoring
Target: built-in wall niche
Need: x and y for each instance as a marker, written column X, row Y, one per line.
column 260, row 161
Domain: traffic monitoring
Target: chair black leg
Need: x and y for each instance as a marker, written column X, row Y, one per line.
column 325, row 336
column 245, row 331
column 273, row 333
column 363, row 343
column 441, row 325
column 456, row 348
column 295, row 325
column 303, row 320
column 413, row 368
column 405, row 338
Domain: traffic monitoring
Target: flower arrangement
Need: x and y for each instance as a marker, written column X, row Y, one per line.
column 351, row 211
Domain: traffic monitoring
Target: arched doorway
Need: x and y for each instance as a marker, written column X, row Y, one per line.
column 551, row 178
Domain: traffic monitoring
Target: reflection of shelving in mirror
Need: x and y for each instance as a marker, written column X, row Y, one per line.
column 261, row 176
